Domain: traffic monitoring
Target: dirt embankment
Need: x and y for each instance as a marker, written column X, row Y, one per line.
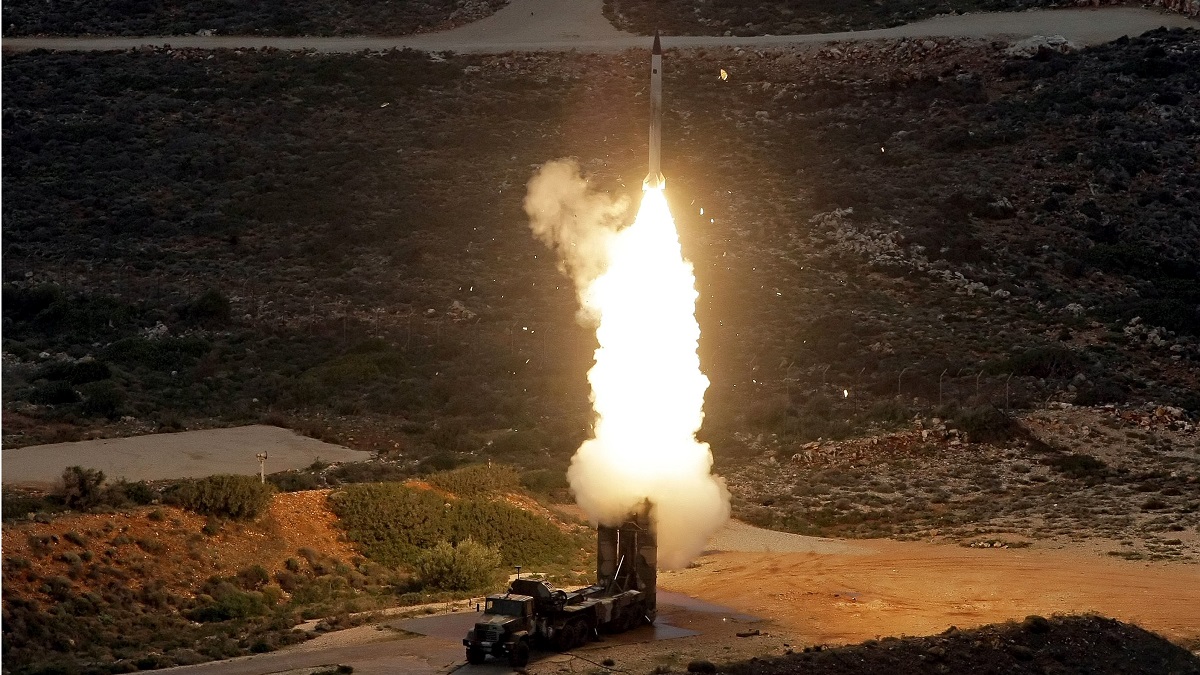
column 170, row 545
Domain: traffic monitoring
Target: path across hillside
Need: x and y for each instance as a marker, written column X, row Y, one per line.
column 562, row 25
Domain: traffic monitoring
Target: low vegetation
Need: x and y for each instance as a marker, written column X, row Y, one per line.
column 228, row 496
column 116, row 594
column 788, row 17
column 466, row 566
column 255, row 17
column 369, row 513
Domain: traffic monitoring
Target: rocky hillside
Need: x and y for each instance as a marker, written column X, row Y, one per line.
column 886, row 228
column 1077, row 644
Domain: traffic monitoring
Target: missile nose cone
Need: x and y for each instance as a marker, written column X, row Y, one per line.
column 657, row 45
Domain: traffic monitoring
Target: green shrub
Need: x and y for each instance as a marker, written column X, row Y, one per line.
column 237, row 497
column 987, row 424
column 81, row 488
column 464, row 567
column 103, row 398
column 54, row 393
column 80, row 372
column 222, row 601
column 293, row 481
column 1078, row 465
column 477, row 480
column 253, row 578
column 1047, row 361
column 545, row 481
column 19, row 506
column 139, row 492
column 394, row 524
column 210, row 307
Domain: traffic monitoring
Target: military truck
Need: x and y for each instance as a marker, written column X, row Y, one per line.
column 535, row 615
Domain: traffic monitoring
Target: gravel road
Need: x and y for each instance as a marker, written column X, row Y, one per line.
column 563, row 25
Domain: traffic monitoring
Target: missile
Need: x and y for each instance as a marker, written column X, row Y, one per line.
column 655, row 179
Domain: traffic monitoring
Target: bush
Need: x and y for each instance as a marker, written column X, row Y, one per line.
column 224, row 601
column 477, row 480
column 103, row 398
column 293, row 481
column 211, row 307
column 237, row 497
column 465, row 567
column 987, row 424
column 80, row 372
column 545, row 481
column 1078, row 465
column 140, row 493
column 1048, row 361
column 54, row 393
column 81, row 488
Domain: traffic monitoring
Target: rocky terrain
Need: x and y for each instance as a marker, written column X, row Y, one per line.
column 948, row 288
column 1038, row 260
column 1124, row 481
column 731, row 17
column 1084, row 644
column 259, row 17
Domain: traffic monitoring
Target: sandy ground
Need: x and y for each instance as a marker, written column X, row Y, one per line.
column 532, row 25
column 915, row 588
column 188, row 454
column 758, row 592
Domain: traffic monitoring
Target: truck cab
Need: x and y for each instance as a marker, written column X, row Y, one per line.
column 503, row 630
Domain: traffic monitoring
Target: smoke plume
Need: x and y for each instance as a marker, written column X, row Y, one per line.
column 647, row 387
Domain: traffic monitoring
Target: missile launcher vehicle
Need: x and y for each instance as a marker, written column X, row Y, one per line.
column 535, row 615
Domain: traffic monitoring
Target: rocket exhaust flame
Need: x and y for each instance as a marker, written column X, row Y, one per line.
column 648, row 392
column 647, row 388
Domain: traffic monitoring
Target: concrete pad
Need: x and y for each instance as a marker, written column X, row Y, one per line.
column 187, row 454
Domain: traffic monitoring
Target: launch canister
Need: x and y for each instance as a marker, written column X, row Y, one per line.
column 655, row 179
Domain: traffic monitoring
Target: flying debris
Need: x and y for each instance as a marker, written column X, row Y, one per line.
column 654, row 179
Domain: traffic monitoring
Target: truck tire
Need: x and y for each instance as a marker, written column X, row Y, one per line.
column 476, row 656
column 581, row 634
column 519, row 656
column 562, row 638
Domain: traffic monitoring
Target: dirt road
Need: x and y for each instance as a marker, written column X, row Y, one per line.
column 188, row 454
column 913, row 588
column 554, row 25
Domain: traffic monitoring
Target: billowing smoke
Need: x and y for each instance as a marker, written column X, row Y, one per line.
column 647, row 387
column 575, row 221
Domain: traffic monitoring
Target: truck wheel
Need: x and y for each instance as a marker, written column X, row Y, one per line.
column 476, row 656
column 562, row 639
column 519, row 657
column 580, row 635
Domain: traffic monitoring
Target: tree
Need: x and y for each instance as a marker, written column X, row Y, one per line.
column 465, row 567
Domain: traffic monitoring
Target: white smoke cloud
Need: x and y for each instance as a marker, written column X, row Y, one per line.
column 575, row 221
column 647, row 387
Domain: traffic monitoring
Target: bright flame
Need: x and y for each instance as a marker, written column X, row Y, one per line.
column 647, row 388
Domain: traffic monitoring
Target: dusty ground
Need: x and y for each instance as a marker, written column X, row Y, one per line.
column 916, row 588
column 188, row 454
column 790, row 592
column 534, row 25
